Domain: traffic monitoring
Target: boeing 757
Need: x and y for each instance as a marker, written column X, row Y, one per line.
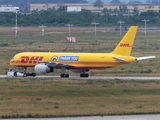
column 46, row 62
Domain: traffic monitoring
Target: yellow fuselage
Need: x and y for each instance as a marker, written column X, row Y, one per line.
column 74, row 60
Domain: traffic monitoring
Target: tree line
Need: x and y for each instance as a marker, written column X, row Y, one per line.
column 53, row 17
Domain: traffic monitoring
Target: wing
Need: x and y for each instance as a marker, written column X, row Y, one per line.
column 143, row 58
column 53, row 64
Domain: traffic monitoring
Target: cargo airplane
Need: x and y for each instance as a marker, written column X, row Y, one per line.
column 46, row 62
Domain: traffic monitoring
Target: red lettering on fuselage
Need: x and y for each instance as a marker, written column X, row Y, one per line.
column 27, row 59
column 24, row 59
column 33, row 58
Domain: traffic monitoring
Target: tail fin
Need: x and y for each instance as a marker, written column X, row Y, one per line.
column 124, row 48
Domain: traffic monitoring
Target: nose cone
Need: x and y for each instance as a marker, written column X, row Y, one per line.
column 12, row 61
column 15, row 60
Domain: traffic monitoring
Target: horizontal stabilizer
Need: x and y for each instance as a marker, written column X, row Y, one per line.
column 143, row 58
column 119, row 59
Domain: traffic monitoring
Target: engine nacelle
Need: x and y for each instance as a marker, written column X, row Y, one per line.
column 79, row 70
column 42, row 69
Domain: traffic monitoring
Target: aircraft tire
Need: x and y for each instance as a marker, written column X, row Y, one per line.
column 67, row 75
column 87, row 75
column 84, row 75
column 64, row 75
column 33, row 74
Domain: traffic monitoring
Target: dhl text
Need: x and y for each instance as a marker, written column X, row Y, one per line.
column 124, row 45
column 27, row 59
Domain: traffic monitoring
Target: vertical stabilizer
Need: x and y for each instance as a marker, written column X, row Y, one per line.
column 124, row 48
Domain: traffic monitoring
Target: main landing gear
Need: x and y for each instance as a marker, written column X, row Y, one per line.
column 84, row 74
column 64, row 75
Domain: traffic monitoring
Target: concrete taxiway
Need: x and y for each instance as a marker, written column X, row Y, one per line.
column 117, row 117
column 93, row 77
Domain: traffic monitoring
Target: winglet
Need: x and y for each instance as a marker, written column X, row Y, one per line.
column 124, row 48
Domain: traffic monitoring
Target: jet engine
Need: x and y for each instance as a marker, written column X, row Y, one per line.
column 42, row 69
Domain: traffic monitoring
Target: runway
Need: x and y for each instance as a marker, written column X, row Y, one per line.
column 92, row 77
column 117, row 117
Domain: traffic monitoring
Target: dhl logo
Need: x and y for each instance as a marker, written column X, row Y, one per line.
column 27, row 59
column 124, row 45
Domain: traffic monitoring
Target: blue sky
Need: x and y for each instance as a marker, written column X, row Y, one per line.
column 107, row 1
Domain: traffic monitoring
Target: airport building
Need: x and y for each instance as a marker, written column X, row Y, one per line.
column 23, row 7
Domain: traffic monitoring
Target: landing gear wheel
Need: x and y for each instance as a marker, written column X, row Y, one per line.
column 67, row 75
column 64, row 75
column 33, row 74
column 84, row 75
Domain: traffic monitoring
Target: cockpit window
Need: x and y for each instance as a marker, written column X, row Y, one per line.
column 16, row 57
